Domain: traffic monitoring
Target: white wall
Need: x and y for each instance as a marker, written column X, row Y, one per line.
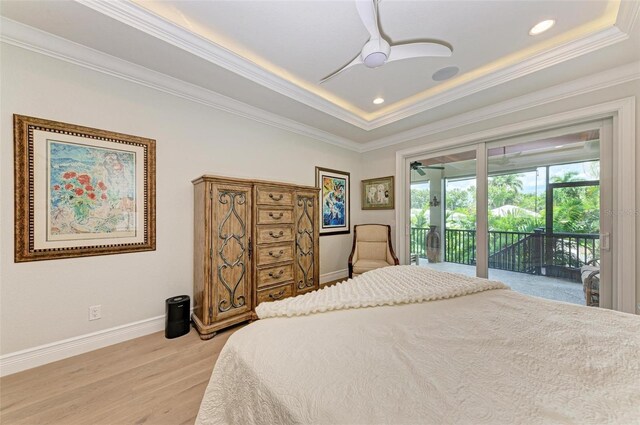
column 381, row 162
column 44, row 302
column 47, row 301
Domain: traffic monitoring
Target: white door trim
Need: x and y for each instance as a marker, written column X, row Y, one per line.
column 624, row 165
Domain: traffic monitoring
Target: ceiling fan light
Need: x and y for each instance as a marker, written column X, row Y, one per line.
column 375, row 60
column 378, row 101
column 541, row 27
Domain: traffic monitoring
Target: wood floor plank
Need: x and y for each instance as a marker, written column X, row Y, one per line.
column 149, row 380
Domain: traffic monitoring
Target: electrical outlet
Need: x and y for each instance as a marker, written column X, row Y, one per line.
column 94, row 312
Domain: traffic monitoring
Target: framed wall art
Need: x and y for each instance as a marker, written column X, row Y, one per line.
column 334, row 201
column 80, row 191
column 377, row 194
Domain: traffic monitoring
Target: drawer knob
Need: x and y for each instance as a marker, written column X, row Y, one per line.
column 276, row 296
column 279, row 198
column 276, row 275
column 276, row 255
column 279, row 235
column 273, row 216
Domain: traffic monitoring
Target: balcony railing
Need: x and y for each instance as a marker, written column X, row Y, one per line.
column 557, row 254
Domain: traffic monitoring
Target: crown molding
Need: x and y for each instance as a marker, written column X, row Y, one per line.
column 140, row 18
column 136, row 16
column 32, row 39
column 602, row 80
column 550, row 57
column 627, row 15
column 38, row 41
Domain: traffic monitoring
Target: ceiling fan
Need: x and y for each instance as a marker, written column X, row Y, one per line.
column 377, row 51
column 505, row 159
column 417, row 166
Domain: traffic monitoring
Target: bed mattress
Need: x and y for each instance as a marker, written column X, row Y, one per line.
column 487, row 357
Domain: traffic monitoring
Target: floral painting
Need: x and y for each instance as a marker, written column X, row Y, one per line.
column 91, row 190
column 81, row 191
column 334, row 201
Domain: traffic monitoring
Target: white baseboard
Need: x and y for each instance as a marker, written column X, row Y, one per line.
column 47, row 353
column 331, row 276
column 37, row 356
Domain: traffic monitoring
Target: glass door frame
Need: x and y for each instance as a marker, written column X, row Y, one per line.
column 604, row 127
column 623, row 164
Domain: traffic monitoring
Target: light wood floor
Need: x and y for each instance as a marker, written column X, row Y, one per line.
column 148, row 380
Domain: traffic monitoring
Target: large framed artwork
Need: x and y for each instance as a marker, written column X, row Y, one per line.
column 80, row 191
column 334, row 201
column 377, row 194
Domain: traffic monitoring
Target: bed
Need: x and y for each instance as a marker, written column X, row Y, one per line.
column 410, row 345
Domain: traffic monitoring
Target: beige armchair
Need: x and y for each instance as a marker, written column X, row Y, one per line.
column 371, row 248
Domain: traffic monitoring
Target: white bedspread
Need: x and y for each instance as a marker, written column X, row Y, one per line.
column 491, row 357
column 410, row 285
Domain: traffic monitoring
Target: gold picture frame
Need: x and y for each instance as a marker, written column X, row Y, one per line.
column 81, row 191
column 378, row 193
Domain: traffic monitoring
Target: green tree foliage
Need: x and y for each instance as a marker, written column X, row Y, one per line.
column 420, row 218
column 458, row 199
column 575, row 209
column 505, row 190
column 419, row 207
column 419, row 198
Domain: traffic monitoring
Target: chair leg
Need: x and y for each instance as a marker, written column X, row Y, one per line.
column 587, row 295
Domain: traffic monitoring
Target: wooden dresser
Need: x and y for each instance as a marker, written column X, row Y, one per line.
column 254, row 241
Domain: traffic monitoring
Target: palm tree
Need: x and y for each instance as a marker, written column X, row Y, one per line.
column 504, row 189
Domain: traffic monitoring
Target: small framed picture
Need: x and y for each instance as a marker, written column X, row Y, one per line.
column 334, row 201
column 377, row 194
column 81, row 191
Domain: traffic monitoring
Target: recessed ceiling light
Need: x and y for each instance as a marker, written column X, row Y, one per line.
column 445, row 73
column 378, row 101
column 541, row 27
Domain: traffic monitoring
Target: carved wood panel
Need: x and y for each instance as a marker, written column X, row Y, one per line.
column 231, row 245
column 306, row 238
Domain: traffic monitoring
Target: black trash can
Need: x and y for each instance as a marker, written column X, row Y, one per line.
column 176, row 321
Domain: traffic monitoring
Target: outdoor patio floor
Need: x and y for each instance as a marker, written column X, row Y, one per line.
column 538, row 286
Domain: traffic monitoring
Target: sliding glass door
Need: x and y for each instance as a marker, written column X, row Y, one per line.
column 527, row 211
column 443, row 211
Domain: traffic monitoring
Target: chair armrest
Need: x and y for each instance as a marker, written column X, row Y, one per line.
column 391, row 256
column 353, row 257
column 592, row 275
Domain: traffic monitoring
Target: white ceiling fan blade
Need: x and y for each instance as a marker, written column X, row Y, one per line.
column 369, row 15
column 356, row 61
column 418, row 50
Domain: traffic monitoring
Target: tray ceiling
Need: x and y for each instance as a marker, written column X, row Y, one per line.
column 272, row 54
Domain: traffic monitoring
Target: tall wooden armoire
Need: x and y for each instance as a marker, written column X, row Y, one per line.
column 254, row 241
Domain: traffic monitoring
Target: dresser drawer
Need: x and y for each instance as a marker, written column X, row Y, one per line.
column 274, row 294
column 273, row 275
column 273, row 234
column 269, row 254
column 274, row 216
column 273, row 196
